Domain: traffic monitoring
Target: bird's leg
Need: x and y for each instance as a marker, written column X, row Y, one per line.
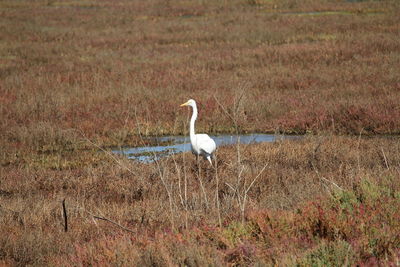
column 209, row 171
column 198, row 164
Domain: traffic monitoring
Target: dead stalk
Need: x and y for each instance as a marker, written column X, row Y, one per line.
column 240, row 189
column 106, row 152
column 333, row 183
column 217, row 192
column 314, row 158
column 178, row 171
column 158, row 167
column 246, row 191
column 200, row 181
column 185, row 181
column 160, row 173
column 384, row 157
column 106, row 219
column 358, row 148
column 64, row 209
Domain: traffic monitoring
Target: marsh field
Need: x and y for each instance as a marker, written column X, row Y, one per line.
column 79, row 78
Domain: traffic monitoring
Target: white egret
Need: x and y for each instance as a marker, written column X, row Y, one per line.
column 202, row 144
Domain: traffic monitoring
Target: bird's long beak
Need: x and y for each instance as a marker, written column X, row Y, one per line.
column 184, row 104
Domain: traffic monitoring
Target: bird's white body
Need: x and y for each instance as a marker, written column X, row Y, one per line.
column 202, row 144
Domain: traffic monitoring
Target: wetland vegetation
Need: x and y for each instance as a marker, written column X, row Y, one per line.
column 78, row 78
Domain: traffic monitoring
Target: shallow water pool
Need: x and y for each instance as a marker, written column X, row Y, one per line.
column 168, row 145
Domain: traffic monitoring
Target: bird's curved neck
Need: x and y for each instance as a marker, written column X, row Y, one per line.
column 192, row 120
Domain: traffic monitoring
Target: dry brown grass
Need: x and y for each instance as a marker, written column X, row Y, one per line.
column 298, row 172
column 73, row 71
column 91, row 65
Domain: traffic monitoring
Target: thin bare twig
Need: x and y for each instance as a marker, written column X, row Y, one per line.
column 326, row 180
column 178, row 171
column 384, row 157
column 105, row 151
column 107, row 220
column 243, row 207
column 185, row 178
column 238, row 101
column 217, row 192
column 201, row 183
column 258, row 175
column 64, row 209
column 161, row 174
column 358, row 149
column 230, row 186
column 224, row 110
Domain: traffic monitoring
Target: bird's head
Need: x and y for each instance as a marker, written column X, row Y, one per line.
column 190, row 102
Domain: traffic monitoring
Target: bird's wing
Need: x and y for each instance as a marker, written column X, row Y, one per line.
column 205, row 143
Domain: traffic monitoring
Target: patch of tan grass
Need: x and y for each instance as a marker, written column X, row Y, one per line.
column 298, row 172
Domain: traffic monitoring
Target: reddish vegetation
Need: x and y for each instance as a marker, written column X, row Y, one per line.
column 79, row 74
column 94, row 65
column 322, row 200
